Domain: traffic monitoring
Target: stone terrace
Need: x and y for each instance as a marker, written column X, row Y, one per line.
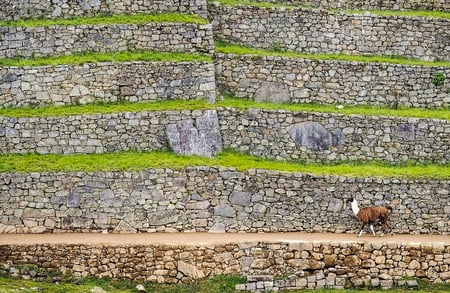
column 208, row 199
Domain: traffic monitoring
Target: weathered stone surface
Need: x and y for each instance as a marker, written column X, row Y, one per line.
column 190, row 270
column 240, row 198
column 201, row 139
column 314, row 136
column 272, row 92
column 405, row 131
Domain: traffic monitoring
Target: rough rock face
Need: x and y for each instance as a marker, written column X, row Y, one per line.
column 272, row 92
column 314, row 136
column 200, row 137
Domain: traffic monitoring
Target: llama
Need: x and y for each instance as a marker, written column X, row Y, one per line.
column 371, row 215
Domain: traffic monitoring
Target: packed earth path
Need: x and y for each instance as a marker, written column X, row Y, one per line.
column 196, row 238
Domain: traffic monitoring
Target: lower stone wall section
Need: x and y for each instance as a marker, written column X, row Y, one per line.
column 296, row 80
column 202, row 199
column 106, row 82
column 295, row 264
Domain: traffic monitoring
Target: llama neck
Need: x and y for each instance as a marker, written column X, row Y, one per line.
column 355, row 207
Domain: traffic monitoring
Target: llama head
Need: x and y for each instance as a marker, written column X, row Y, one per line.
column 351, row 199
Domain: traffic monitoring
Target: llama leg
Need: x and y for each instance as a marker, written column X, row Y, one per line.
column 371, row 228
column 362, row 230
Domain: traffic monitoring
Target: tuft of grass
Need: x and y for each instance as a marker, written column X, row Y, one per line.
column 108, row 19
column 135, row 161
column 228, row 101
column 408, row 13
column 94, row 57
column 231, row 48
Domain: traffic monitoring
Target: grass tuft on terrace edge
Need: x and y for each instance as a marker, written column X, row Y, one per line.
column 232, row 48
column 137, row 19
column 228, row 101
column 95, row 57
column 407, row 13
column 134, row 161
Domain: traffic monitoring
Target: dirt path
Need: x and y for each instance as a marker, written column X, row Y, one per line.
column 211, row 238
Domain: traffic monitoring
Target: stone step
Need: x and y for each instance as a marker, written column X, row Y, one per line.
column 134, row 81
column 318, row 31
column 272, row 134
column 301, row 80
column 26, row 9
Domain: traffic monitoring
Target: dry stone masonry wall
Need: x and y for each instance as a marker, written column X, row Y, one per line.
column 60, row 39
column 296, row 264
column 334, row 137
column 25, row 9
column 317, row 31
column 208, row 199
column 106, row 82
column 441, row 5
column 295, row 80
column 273, row 134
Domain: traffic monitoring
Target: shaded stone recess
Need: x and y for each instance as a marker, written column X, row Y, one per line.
column 331, row 81
column 296, row 264
column 216, row 200
column 24, row 9
column 318, row 31
column 106, row 82
column 371, row 4
column 60, row 39
column 263, row 133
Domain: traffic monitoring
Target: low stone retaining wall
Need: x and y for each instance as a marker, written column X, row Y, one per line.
column 371, row 4
column 296, row 264
column 318, row 31
column 295, row 80
column 60, row 39
column 106, row 82
column 273, row 134
column 217, row 200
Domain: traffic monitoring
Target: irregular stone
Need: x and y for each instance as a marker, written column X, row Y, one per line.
column 314, row 136
column 272, row 92
column 124, row 227
column 190, row 270
column 240, row 198
column 405, row 131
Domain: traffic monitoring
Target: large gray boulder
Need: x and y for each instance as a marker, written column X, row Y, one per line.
column 314, row 136
column 200, row 137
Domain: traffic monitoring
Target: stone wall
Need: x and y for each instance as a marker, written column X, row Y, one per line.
column 313, row 136
column 60, row 39
column 318, row 31
column 296, row 264
column 105, row 82
column 441, row 5
column 273, row 134
column 296, row 80
column 29, row 9
column 204, row 199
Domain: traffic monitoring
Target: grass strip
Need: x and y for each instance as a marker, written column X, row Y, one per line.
column 135, row 161
column 409, row 13
column 230, row 48
column 108, row 19
column 228, row 101
column 94, row 57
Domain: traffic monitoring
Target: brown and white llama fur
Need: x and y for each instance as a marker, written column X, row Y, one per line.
column 371, row 215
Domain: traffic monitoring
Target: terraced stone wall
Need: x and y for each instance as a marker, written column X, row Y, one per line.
column 296, row 264
column 217, row 200
column 318, row 31
column 25, row 9
column 282, row 79
column 60, row 39
column 106, row 82
column 265, row 133
column 441, row 5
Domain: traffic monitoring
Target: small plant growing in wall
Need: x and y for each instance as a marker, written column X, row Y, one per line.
column 438, row 78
